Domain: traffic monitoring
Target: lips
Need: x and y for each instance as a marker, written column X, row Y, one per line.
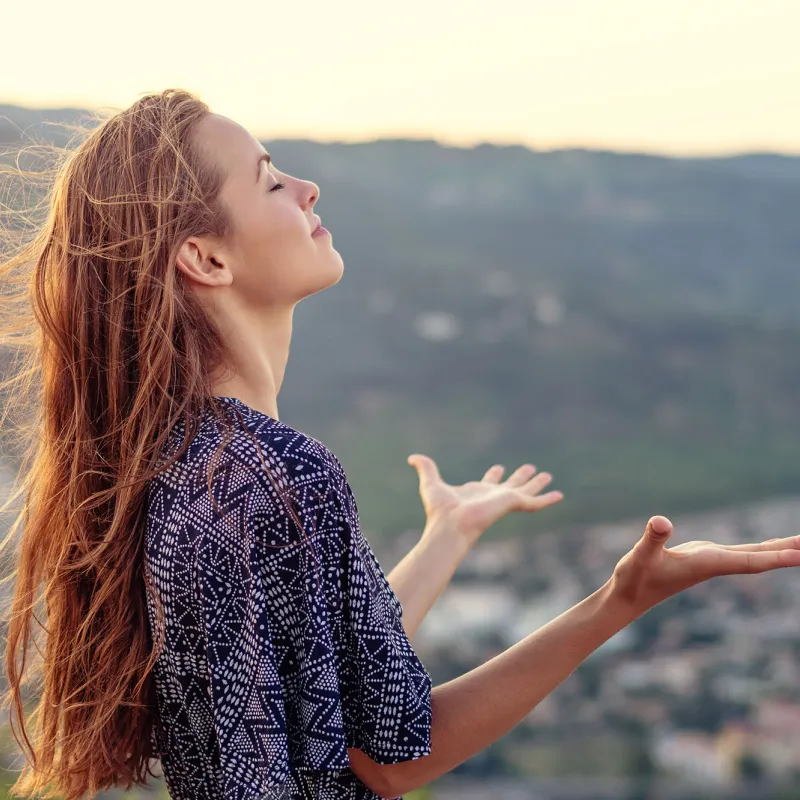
column 317, row 227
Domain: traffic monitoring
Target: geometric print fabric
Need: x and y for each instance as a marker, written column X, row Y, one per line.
column 281, row 648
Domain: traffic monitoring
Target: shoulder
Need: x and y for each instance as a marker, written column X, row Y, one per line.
column 255, row 465
column 286, row 475
column 237, row 436
column 292, row 457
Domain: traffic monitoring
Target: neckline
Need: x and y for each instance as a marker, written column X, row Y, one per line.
column 242, row 406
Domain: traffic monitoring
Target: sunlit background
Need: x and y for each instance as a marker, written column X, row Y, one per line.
column 681, row 77
column 570, row 234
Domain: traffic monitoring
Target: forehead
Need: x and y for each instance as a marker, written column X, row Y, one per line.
column 230, row 145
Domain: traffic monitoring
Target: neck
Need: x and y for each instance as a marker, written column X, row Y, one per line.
column 258, row 350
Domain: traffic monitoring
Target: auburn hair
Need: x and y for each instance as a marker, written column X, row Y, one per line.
column 104, row 350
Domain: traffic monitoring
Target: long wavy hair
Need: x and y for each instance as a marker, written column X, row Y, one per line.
column 115, row 350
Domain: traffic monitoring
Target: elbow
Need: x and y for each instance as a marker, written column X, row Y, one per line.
column 386, row 780
column 394, row 780
column 376, row 777
column 392, row 788
column 382, row 785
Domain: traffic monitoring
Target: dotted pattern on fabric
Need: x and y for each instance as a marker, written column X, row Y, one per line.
column 280, row 652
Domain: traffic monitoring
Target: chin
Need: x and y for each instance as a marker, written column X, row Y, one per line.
column 328, row 275
column 337, row 266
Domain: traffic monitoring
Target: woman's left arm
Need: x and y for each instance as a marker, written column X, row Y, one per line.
column 424, row 571
column 457, row 516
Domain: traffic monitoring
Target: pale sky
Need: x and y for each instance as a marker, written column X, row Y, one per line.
column 682, row 77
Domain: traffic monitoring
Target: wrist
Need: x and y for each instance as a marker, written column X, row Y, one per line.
column 448, row 534
column 620, row 601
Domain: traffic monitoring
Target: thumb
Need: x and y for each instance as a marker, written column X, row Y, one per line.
column 426, row 467
column 658, row 530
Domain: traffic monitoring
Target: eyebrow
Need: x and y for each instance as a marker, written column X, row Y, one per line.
column 264, row 157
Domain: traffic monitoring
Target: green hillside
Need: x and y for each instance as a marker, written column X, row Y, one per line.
column 628, row 322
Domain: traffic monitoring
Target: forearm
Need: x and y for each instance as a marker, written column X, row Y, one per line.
column 477, row 708
column 424, row 572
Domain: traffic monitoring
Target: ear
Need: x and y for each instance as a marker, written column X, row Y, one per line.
column 202, row 260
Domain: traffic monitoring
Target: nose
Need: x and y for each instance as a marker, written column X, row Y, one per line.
column 313, row 194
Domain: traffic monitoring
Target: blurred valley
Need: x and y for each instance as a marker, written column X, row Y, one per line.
column 627, row 322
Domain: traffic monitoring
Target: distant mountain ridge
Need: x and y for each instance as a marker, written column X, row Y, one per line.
column 626, row 321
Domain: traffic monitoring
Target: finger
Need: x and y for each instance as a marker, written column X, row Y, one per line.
column 750, row 562
column 537, row 483
column 656, row 533
column 493, row 474
column 789, row 543
column 520, row 475
column 541, row 501
column 426, row 467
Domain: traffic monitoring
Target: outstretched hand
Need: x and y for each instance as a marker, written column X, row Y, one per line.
column 474, row 506
column 650, row 572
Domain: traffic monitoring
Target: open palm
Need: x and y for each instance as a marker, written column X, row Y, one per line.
column 476, row 505
column 651, row 572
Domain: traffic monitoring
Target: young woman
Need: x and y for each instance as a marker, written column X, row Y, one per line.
column 210, row 599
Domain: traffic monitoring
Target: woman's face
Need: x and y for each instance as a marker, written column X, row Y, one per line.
column 270, row 257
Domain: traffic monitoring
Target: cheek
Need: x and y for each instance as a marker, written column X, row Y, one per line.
column 259, row 234
column 278, row 224
column 277, row 249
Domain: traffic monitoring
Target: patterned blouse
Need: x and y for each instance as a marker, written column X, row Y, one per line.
column 281, row 648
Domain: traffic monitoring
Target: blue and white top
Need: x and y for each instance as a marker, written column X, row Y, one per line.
column 281, row 648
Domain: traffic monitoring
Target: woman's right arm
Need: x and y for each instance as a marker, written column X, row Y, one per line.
column 477, row 708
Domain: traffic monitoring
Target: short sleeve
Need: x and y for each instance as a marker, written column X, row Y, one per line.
column 306, row 651
column 386, row 690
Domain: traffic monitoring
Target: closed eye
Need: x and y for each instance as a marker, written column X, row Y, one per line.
column 278, row 186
